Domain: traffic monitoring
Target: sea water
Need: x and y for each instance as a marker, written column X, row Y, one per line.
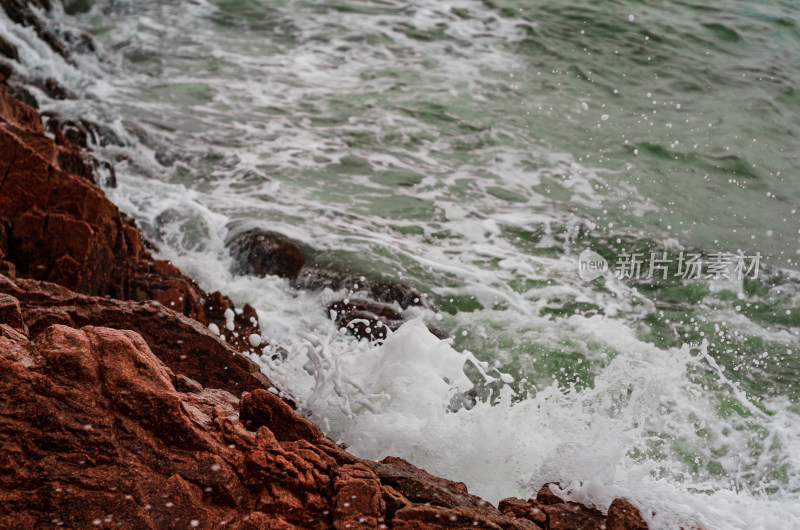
column 472, row 151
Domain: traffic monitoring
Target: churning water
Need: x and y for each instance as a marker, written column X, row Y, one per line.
column 473, row 150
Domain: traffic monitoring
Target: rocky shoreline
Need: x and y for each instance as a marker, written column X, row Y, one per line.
column 118, row 406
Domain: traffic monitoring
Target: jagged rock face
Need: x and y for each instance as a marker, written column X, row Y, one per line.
column 184, row 345
column 95, row 426
column 108, row 425
column 58, row 226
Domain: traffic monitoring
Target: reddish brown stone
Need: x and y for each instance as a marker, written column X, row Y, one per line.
column 572, row 516
column 261, row 408
column 184, row 345
column 529, row 509
column 546, row 495
column 3, row 241
column 622, row 515
column 61, row 226
column 8, row 269
column 10, row 312
column 357, row 498
column 145, row 426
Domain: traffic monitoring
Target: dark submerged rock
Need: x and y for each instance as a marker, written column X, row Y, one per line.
column 263, row 253
column 622, row 515
column 8, row 50
column 365, row 318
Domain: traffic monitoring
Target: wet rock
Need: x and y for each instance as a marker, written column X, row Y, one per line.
column 261, row 408
column 22, row 94
column 52, row 88
column 572, row 516
column 73, row 7
column 530, row 510
column 161, row 281
column 10, row 313
column 240, row 329
column 184, row 345
column 80, row 132
column 357, row 498
column 379, row 290
column 8, row 50
column 563, row 515
column 78, row 163
column 120, row 444
column 265, row 253
column 8, row 269
column 5, row 71
column 546, row 495
column 364, row 318
column 418, row 486
column 106, row 175
column 62, row 228
column 20, row 12
column 622, row 515
column 437, row 502
column 60, row 225
column 371, row 306
column 215, row 305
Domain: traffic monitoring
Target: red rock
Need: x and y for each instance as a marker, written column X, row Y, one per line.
column 530, row 509
column 546, row 495
column 622, row 515
column 19, row 114
column 3, row 241
column 263, row 408
column 10, row 312
column 101, row 427
column 393, row 500
column 67, row 214
column 8, row 269
column 61, row 227
column 183, row 344
column 441, row 499
column 572, row 516
column 97, row 429
column 357, row 498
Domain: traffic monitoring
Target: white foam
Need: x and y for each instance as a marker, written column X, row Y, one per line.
column 394, row 400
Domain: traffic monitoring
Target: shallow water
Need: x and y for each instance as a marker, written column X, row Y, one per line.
column 472, row 151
